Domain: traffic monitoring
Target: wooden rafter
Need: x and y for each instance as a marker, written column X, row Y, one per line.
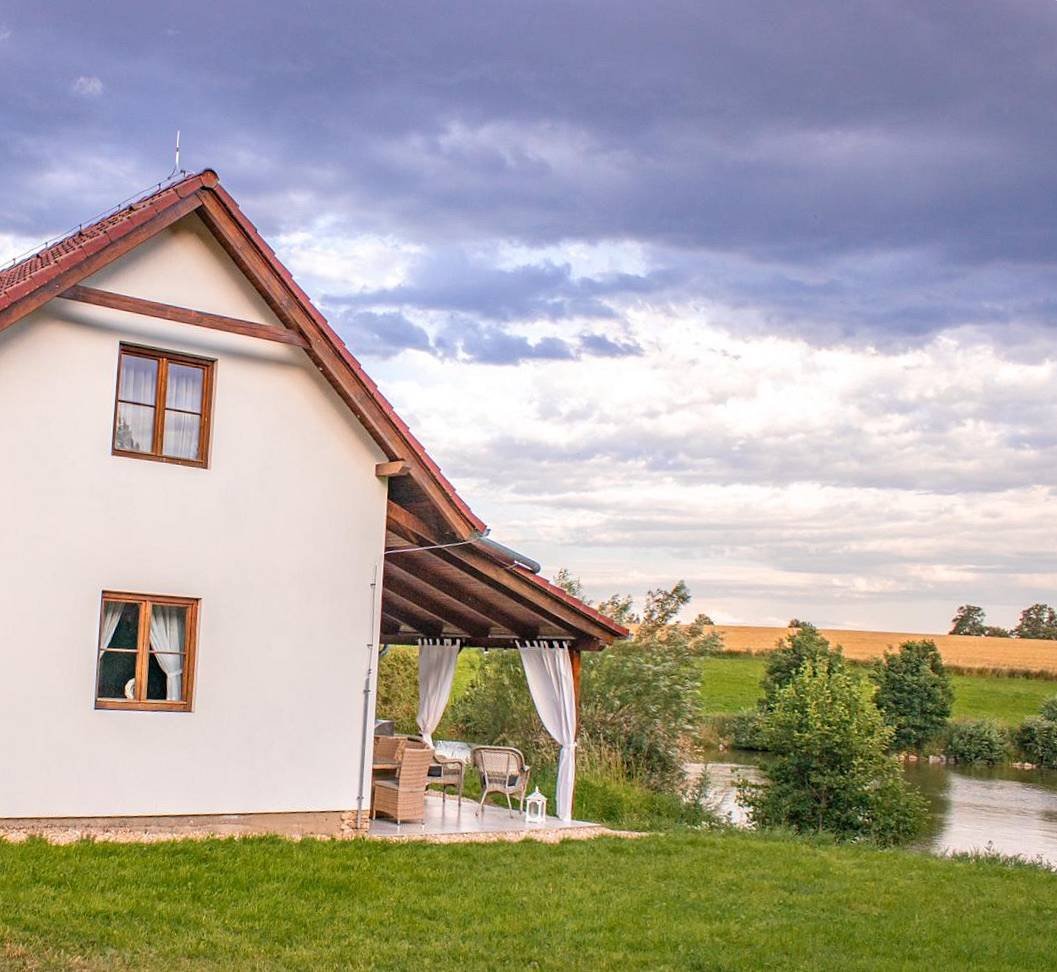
column 426, row 578
column 415, row 620
column 407, row 587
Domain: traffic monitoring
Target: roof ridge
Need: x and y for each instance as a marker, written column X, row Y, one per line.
column 138, row 199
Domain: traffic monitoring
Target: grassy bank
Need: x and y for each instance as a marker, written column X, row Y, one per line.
column 731, row 683
column 701, row 901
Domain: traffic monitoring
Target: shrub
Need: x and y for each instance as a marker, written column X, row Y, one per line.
column 641, row 698
column 978, row 741
column 1049, row 709
column 831, row 772
column 605, row 793
column 1037, row 735
column 1036, row 738
column 744, row 730
column 914, row 693
column 398, row 688
column 793, row 652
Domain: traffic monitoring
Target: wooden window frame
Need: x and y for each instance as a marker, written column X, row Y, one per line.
column 164, row 359
column 145, row 601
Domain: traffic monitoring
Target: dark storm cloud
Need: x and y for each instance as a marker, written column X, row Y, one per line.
column 451, row 281
column 380, row 335
column 799, row 136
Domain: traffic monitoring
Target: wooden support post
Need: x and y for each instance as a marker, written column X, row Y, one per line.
column 574, row 661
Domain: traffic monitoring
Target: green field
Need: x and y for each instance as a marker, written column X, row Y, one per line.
column 677, row 901
column 731, row 683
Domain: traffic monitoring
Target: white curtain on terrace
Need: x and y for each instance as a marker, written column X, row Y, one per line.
column 436, row 671
column 167, row 626
column 549, row 673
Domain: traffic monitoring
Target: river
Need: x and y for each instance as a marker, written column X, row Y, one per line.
column 993, row 809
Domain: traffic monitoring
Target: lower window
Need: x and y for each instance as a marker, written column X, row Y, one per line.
column 146, row 652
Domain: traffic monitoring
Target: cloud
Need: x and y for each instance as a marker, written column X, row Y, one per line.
column 490, row 344
column 87, row 86
column 756, row 294
column 380, row 335
column 451, row 280
column 5, row 33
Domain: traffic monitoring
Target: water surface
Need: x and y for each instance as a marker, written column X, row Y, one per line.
column 994, row 809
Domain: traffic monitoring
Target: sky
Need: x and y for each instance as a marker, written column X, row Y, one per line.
column 756, row 294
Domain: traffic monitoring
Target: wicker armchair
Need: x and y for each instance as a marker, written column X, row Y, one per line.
column 502, row 770
column 405, row 797
column 446, row 772
column 388, row 747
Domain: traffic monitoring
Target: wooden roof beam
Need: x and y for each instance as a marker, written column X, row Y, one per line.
column 419, row 623
column 182, row 315
column 418, row 595
column 495, row 614
column 389, row 470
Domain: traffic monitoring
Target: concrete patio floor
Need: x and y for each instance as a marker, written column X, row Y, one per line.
column 446, row 821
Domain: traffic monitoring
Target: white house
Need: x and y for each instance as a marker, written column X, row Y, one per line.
column 211, row 521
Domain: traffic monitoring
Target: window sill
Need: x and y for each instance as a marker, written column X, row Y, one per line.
column 128, row 454
column 160, row 706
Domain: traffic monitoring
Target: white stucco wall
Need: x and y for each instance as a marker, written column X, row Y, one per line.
column 279, row 537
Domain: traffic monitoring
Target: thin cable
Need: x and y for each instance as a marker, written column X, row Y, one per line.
column 435, row 546
column 113, row 211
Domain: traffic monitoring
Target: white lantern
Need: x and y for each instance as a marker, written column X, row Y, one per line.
column 536, row 807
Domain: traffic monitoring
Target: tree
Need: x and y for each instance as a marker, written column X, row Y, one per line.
column 990, row 631
column 914, row 693
column 663, row 606
column 619, row 608
column 1037, row 621
column 831, row 771
column 968, row 620
column 571, row 585
column 792, row 653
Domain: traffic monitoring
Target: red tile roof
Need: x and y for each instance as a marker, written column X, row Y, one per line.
column 43, row 266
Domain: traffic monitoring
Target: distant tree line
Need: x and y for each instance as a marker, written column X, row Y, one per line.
column 1037, row 621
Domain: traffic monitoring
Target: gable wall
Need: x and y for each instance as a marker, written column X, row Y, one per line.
column 185, row 263
column 280, row 538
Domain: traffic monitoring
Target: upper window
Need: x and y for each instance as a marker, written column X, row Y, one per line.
column 146, row 652
column 163, row 407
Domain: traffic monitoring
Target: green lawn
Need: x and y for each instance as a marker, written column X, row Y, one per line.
column 1008, row 700
column 731, row 683
column 686, row 901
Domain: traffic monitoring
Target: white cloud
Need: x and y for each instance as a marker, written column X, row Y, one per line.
column 5, row 33
column 330, row 262
column 13, row 245
column 848, row 486
column 87, row 86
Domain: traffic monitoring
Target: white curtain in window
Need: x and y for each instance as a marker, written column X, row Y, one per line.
column 436, row 670
column 181, row 435
column 549, row 673
column 184, row 388
column 139, row 377
column 111, row 619
column 167, row 627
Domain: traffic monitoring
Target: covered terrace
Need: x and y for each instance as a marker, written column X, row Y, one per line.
column 444, row 590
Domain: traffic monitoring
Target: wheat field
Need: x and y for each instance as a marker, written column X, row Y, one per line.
column 960, row 651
